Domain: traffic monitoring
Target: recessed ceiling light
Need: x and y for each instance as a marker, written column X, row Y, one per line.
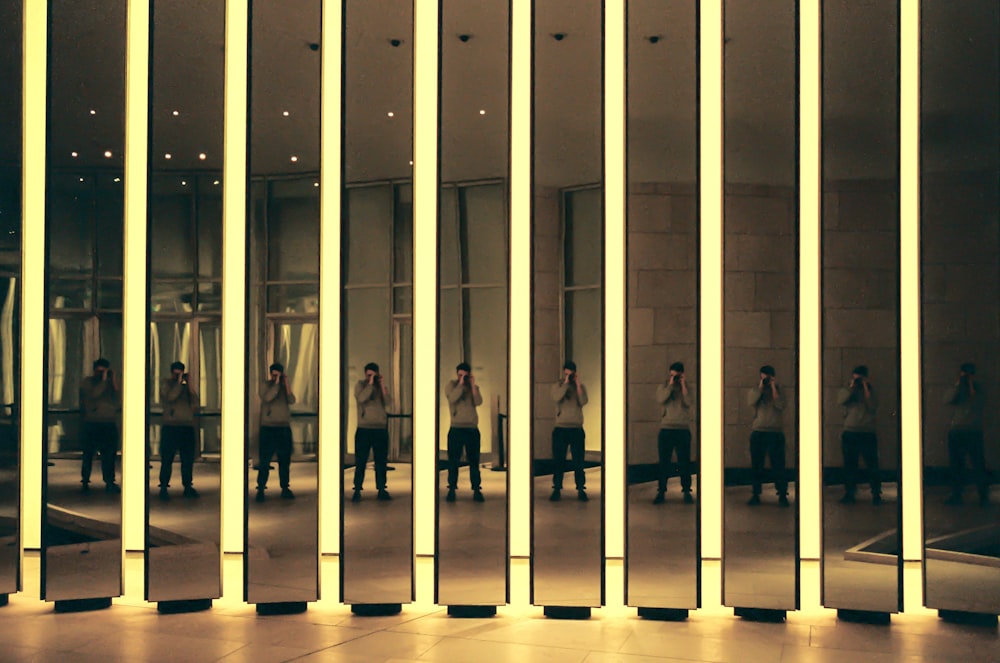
column 184, row 183
column 202, row 156
column 216, row 182
column 74, row 154
column 81, row 179
column 168, row 156
column 391, row 114
column 482, row 111
column 411, row 162
column 118, row 179
column 107, row 154
column 93, row 112
column 284, row 113
column 176, row 113
column 315, row 183
column 294, row 159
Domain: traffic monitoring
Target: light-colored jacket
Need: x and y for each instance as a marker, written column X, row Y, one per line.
column 768, row 411
column 569, row 404
column 180, row 402
column 675, row 407
column 462, row 402
column 274, row 404
column 371, row 405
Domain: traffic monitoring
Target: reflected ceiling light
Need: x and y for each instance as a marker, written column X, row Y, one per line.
column 184, row 183
column 294, row 159
column 81, row 179
column 216, row 182
column 168, row 156
column 176, row 113
column 118, row 179
column 93, row 112
column 202, row 156
column 391, row 114
column 74, row 154
column 411, row 162
column 315, row 183
column 284, row 113
column 107, row 154
column 482, row 111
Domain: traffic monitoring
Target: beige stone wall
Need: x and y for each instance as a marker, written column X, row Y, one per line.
column 860, row 306
column 960, row 261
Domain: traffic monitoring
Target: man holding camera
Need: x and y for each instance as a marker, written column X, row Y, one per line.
column 463, row 399
column 100, row 401
column 275, row 430
column 767, row 436
column 967, row 401
column 180, row 402
column 569, row 395
column 859, row 438
column 372, row 435
column 674, row 398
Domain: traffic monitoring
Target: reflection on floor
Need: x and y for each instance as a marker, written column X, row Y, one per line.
column 662, row 547
column 9, row 498
column 133, row 631
column 84, row 534
column 759, row 550
column 377, row 551
column 567, row 543
column 283, row 539
column 858, row 585
column 184, row 536
column 952, row 583
column 472, row 541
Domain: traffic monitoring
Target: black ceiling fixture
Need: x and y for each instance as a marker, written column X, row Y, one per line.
column 559, row 36
column 395, row 43
column 464, row 38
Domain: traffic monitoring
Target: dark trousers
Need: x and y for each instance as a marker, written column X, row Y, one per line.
column 573, row 439
column 177, row 439
column 962, row 443
column 99, row 437
column 468, row 440
column 669, row 441
column 772, row 445
column 857, row 445
column 374, row 441
column 274, row 440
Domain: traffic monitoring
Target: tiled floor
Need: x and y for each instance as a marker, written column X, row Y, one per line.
column 133, row 631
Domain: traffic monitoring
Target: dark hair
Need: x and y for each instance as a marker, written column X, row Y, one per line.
column 371, row 366
column 677, row 366
column 464, row 366
column 177, row 366
column 861, row 370
column 276, row 367
column 102, row 362
column 969, row 367
column 767, row 369
column 570, row 365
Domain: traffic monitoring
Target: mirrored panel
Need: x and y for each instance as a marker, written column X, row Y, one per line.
column 84, row 198
column 662, row 535
column 282, row 527
column 862, row 510
column 185, row 282
column 760, row 538
column 11, row 62
column 376, row 562
column 960, row 303
column 567, row 305
column 473, row 345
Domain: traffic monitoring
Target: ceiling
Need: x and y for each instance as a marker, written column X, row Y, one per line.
column 188, row 75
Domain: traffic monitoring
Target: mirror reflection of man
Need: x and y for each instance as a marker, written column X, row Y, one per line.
column 100, row 401
column 965, row 437
column 767, row 436
column 372, row 434
column 570, row 396
column 674, row 397
column 276, row 399
column 859, row 438
column 180, row 402
column 463, row 399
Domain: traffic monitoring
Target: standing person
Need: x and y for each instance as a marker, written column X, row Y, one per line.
column 372, row 435
column 276, row 397
column 100, row 401
column 463, row 399
column 570, row 396
column 965, row 437
column 674, row 398
column 767, row 436
column 180, row 402
column 859, row 438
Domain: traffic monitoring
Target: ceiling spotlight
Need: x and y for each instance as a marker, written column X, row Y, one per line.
column 315, row 183
column 482, row 111
column 176, row 113
column 559, row 36
column 202, row 156
column 391, row 114
column 93, row 112
column 184, row 183
column 81, row 179
column 168, row 156
column 216, row 183
column 107, row 154
column 284, row 113
column 118, row 179
column 294, row 159
column 411, row 162
column 74, row 154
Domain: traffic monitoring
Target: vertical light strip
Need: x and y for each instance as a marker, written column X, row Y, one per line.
column 33, row 272
column 134, row 277
column 710, row 359
column 520, row 282
column 425, row 85
column 909, row 282
column 234, row 277
column 810, row 309
column 614, row 278
column 329, row 284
